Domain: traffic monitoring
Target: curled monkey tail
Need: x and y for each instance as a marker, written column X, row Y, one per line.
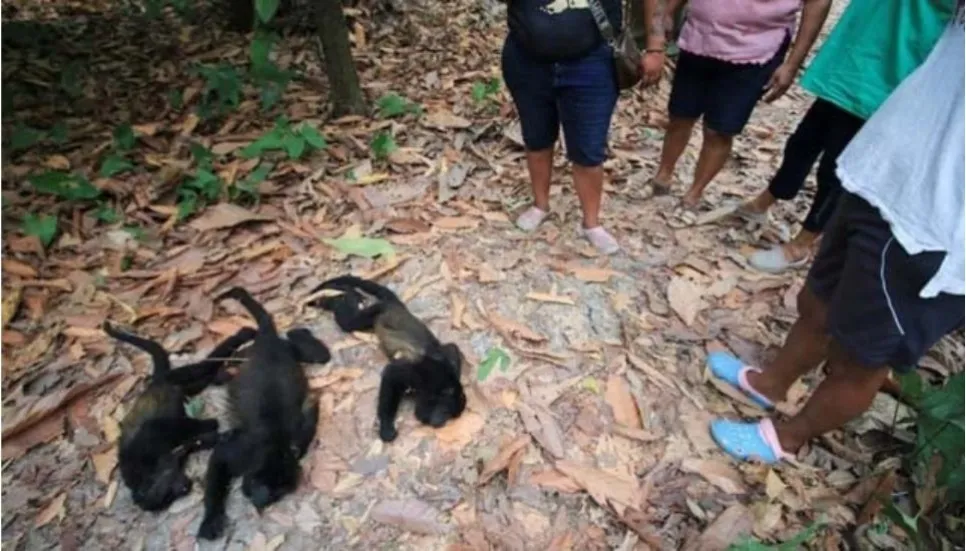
column 266, row 325
column 159, row 356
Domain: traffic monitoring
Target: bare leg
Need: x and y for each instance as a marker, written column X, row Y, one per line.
column 762, row 202
column 805, row 347
column 800, row 246
column 540, row 166
column 675, row 140
column 843, row 395
column 714, row 152
column 589, row 182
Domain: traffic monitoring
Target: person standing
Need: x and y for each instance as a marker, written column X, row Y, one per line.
column 732, row 53
column 874, row 45
column 889, row 278
column 560, row 73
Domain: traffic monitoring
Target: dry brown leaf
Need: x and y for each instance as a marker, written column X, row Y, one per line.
column 502, row 459
column 591, row 274
column 104, row 464
column 262, row 543
column 54, row 509
column 618, row 396
column 457, row 310
column 515, row 328
column 606, row 488
column 547, row 297
column 717, row 472
column 11, row 303
column 768, row 516
column 873, row 504
column 653, row 374
column 684, row 296
column 225, row 215
column 732, row 524
column 47, row 430
column 489, row 274
column 110, row 493
column 456, row 223
column 445, row 119
column 555, row 480
column 543, row 427
column 411, row 515
column 57, row 162
column 51, row 404
column 460, row 431
column 15, row 267
column 773, row 485
column 635, row 434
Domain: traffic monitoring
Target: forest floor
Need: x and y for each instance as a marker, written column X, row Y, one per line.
column 586, row 426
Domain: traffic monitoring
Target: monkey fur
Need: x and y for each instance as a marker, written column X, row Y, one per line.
column 275, row 420
column 418, row 363
column 156, row 433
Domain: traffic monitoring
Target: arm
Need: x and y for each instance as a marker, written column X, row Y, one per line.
column 652, row 62
column 813, row 17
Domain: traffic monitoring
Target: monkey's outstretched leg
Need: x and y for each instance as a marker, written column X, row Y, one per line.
column 307, row 428
column 307, row 348
column 395, row 380
column 226, row 463
column 194, row 378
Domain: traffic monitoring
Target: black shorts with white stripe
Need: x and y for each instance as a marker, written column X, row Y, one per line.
column 871, row 286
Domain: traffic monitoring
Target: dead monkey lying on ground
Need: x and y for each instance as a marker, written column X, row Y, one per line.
column 156, row 433
column 275, row 420
column 418, row 362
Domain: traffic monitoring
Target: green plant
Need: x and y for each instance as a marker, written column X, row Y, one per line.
column 283, row 137
column 72, row 79
column 382, row 145
column 393, row 105
column 25, row 137
column 939, row 431
column 246, row 189
column 222, row 91
column 114, row 164
column 124, row 138
column 107, row 214
column 43, row 226
column 483, row 91
column 66, row 185
column 203, row 187
column 794, row 544
column 266, row 9
column 266, row 75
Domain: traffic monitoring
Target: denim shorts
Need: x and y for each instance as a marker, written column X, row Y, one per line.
column 724, row 93
column 579, row 95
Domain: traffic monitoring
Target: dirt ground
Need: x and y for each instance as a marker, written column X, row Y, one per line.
column 593, row 435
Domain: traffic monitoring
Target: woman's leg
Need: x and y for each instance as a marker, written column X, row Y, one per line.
column 714, row 153
column 586, row 96
column 530, row 83
column 685, row 107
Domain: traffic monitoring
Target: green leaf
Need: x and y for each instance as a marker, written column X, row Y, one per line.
column 202, row 155
column 392, row 105
column 124, row 138
column 266, row 9
column 126, row 262
column 188, row 204
column 44, row 227
column 294, row 145
column 268, row 142
column 25, row 137
column 136, row 232
column 495, row 358
column 312, row 136
column 176, row 99
column 114, row 164
column 591, row 384
column 66, row 185
column 261, row 48
column 107, row 214
column 194, row 407
column 478, row 92
column 382, row 145
column 367, row 247
column 907, row 523
column 206, row 183
column 58, row 133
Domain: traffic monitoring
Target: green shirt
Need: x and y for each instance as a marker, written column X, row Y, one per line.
column 875, row 45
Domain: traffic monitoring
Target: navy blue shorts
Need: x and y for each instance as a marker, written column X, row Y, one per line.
column 724, row 93
column 579, row 95
column 871, row 287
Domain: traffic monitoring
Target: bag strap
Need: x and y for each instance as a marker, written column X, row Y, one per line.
column 603, row 23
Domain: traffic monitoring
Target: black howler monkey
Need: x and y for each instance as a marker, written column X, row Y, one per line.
column 274, row 416
column 418, row 362
column 156, row 433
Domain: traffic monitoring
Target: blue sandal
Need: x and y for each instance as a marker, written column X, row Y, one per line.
column 748, row 441
column 729, row 369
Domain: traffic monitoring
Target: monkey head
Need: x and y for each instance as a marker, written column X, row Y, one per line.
column 155, row 485
column 276, row 475
column 440, row 397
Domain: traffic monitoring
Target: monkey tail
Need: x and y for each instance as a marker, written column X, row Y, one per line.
column 266, row 325
column 159, row 356
column 344, row 283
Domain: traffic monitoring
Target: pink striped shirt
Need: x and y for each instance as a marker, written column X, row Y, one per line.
column 739, row 31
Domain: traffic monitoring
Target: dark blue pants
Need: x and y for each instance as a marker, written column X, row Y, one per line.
column 578, row 95
column 824, row 130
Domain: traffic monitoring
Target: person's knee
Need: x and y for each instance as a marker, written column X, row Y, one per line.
column 716, row 136
column 811, row 310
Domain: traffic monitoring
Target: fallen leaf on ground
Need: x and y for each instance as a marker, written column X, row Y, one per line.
column 261, row 543
column 456, row 223
column 555, row 480
column 502, row 459
column 606, row 488
column 542, row 426
column 684, row 296
column 618, row 396
column 496, row 358
column 15, row 267
column 717, row 472
column 773, row 485
column 54, row 509
column 366, row 247
column 546, row 297
column 460, row 431
column 104, row 464
column 445, row 119
column 410, row 515
column 48, row 405
column 11, row 303
column 731, row 525
column 515, row 328
column 873, row 504
column 41, row 432
column 591, row 274
column 225, row 215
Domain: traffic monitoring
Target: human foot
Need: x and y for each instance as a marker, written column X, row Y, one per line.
column 779, row 259
column 531, row 219
column 729, row 369
column 691, row 199
column 747, row 441
column 660, row 185
column 602, row 240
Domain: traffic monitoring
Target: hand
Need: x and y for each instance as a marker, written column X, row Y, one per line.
column 652, row 67
column 780, row 81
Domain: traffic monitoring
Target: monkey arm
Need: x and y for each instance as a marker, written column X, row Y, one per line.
column 193, row 378
column 228, row 461
column 307, row 348
column 396, row 379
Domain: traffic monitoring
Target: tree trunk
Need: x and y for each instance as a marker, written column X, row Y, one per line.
column 333, row 33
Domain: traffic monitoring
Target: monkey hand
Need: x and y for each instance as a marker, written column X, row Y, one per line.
column 387, row 432
column 212, row 527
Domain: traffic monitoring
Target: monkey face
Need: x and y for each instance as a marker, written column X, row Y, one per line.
column 155, row 489
column 441, row 398
column 277, row 476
